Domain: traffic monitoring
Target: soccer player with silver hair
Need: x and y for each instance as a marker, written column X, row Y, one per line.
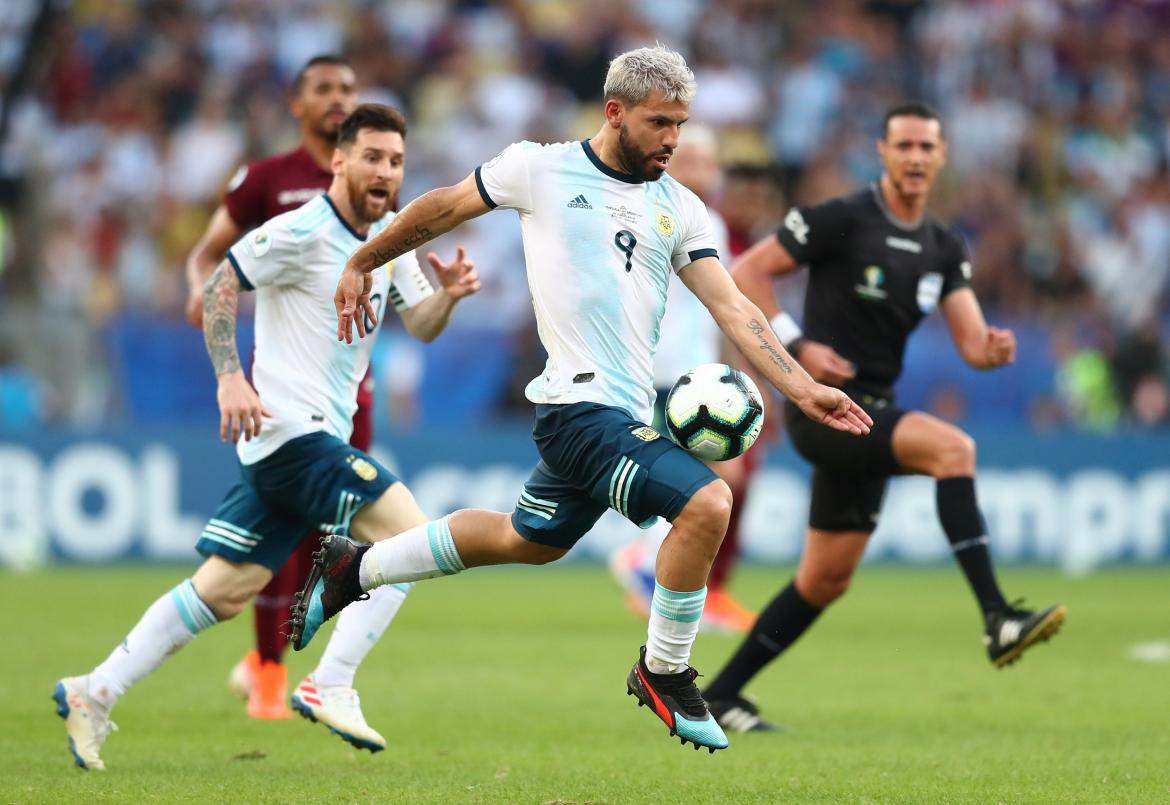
column 604, row 228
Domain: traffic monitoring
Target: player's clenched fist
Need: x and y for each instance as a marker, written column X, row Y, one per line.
column 1001, row 346
column 240, row 409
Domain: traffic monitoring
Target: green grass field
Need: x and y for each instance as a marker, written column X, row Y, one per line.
column 509, row 686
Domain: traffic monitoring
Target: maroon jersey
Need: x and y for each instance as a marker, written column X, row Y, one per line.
column 276, row 184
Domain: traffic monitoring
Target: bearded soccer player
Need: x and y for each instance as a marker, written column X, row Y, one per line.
column 322, row 94
column 878, row 264
column 297, row 468
column 604, row 229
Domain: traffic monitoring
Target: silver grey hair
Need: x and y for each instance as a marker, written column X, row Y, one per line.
column 635, row 74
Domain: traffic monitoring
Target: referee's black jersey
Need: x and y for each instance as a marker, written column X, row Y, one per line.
column 871, row 279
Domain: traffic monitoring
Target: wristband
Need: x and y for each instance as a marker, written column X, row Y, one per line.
column 786, row 329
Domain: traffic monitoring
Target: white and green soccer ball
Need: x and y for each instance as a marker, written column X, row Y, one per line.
column 715, row 412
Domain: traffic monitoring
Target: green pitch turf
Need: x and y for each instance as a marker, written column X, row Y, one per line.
column 509, row 686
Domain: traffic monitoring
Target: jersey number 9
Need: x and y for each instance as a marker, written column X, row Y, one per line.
column 625, row 241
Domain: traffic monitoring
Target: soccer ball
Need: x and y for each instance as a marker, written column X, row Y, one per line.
column 715, row 412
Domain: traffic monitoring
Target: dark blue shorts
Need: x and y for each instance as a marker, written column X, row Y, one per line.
column 313, row 481
column 594, row 457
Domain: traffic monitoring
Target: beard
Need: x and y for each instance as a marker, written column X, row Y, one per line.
column 360, row 202
column 636, row 161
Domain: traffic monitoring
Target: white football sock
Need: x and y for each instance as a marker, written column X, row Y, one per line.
column 674, row 622
column 422, row 552
column 358, row 628
column 170, row 623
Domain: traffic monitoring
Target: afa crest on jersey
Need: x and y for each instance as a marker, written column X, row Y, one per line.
column 665, row 225
column 362, row 468
column 646, row 433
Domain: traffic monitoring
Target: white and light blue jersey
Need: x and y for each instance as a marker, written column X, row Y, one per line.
column 690, row 335
column 600, row 247
column 306, row 378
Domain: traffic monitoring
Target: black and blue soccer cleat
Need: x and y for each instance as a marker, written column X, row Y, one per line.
column 333, row 584
column 676, row 700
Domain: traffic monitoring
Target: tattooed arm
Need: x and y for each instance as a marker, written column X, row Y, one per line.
column 744, row 324
column 423, row 219
column 240, row 409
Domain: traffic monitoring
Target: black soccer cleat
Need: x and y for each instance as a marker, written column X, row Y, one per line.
column 740, row 715
column 675, row 699
column 332, row 585
column 1012, row 631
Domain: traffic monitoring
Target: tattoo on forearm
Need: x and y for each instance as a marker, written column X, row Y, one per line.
column 758, row 330
column 220, row 302
column 419, row 236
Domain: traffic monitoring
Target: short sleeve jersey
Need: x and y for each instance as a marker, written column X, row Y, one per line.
column 267, row 187
column 600, row 247
column 690, row 336
column 872, row 279
column 305, row 377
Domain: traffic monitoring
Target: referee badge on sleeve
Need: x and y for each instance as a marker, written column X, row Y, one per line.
column 929, row 288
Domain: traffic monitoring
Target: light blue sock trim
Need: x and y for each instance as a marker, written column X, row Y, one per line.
column 402, row 587
column 442, row 546
column 196, row 615
column 675, row 606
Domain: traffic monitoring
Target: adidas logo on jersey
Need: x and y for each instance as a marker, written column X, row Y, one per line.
column 579, row 203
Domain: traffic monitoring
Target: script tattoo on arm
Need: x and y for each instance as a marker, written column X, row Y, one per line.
column 417, row 237
column 758, row 330
column 220, row 302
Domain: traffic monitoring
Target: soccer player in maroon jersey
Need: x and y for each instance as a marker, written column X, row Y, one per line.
column 322, row 95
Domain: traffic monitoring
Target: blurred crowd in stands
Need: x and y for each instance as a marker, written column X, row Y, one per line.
column 121, row 122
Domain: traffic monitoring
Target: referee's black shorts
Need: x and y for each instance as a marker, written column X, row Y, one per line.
column 849, row 472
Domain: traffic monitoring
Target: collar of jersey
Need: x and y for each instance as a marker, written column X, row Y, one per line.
column 341, row 217
column 880, row 201
column 628, row 178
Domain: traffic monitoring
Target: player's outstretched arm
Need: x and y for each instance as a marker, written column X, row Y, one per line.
column 981, row 346
column 423, row 219
column 240, row 409
column 221, row 233
column 744, row 323
column 457, row 279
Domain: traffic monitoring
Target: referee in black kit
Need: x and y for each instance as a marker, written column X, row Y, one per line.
column 878, row 264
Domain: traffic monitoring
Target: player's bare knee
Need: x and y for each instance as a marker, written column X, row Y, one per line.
column 709, row 510
column 823, row 587
column 956, row 456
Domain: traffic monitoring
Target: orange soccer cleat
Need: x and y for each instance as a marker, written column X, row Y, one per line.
column 722, row 613
column 269, row 692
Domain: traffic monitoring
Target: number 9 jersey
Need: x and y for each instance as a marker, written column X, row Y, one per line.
column 600, row 246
